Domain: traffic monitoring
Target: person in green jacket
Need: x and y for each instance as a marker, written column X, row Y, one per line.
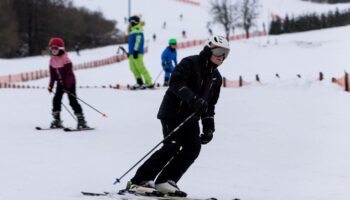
column 136, row 51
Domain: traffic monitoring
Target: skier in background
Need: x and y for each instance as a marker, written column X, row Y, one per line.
column 61, row 71
column 194, row 88
column 169, row 60
column 77, row 49
column 184, row 34
column 136, row 50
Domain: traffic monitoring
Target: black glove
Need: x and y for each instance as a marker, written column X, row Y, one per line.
column 135, row 54
column 208, row 129
column 206, row 137
column 50, row 88
column 200, row 106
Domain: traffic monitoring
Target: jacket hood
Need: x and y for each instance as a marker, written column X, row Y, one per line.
column 205, row 55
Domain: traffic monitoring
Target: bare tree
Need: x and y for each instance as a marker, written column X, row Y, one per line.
column 248, row 11
column 224, row 13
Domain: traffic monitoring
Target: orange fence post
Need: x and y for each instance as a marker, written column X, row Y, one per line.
column 257, row 78
column 346, row 82
column 321, row 76
column 240, row 81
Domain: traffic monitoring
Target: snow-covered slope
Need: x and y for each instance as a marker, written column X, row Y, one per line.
column 284, row 139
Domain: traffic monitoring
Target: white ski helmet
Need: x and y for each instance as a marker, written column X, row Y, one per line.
column 218, row 41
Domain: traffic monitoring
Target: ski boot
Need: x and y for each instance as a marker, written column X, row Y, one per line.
column 81, row 121
column 145, row 188
column 166, row 82
column 170, row 188
column 138, row 85
column 147, row 86
column 56, row 123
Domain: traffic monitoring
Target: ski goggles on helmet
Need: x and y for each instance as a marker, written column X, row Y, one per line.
column 218, row 51
column 56, row 48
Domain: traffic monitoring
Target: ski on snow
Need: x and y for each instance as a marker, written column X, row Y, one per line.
column 95, row 194
column 131, row 196
column 66, row 129
column 138, row 88
column 47, row 128
column 78, row 129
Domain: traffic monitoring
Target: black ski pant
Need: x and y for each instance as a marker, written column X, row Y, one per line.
column 176, row 155
column 57, row 99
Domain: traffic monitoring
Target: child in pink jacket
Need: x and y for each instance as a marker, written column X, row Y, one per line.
column 61, row 71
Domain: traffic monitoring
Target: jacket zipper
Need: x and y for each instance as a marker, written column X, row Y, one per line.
column 179, row 110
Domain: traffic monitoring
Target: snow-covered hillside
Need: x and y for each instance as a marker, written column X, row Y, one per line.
column 284, row 139
column 196, row 16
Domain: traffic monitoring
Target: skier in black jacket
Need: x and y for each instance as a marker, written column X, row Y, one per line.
column 194, row 88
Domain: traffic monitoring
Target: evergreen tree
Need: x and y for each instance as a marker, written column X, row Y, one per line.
column 324, row 21
column 286, row 25
column 8, row 34
column 311, row 22
column 276, row 27
column 34, row 22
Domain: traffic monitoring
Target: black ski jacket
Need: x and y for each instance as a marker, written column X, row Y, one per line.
column 194, row 77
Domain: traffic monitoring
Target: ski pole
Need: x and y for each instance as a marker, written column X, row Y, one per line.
column 65, row 107
column 169, row 135
column 155, row 80
column 123, row 49
column 73, row 95
column 71, row 114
